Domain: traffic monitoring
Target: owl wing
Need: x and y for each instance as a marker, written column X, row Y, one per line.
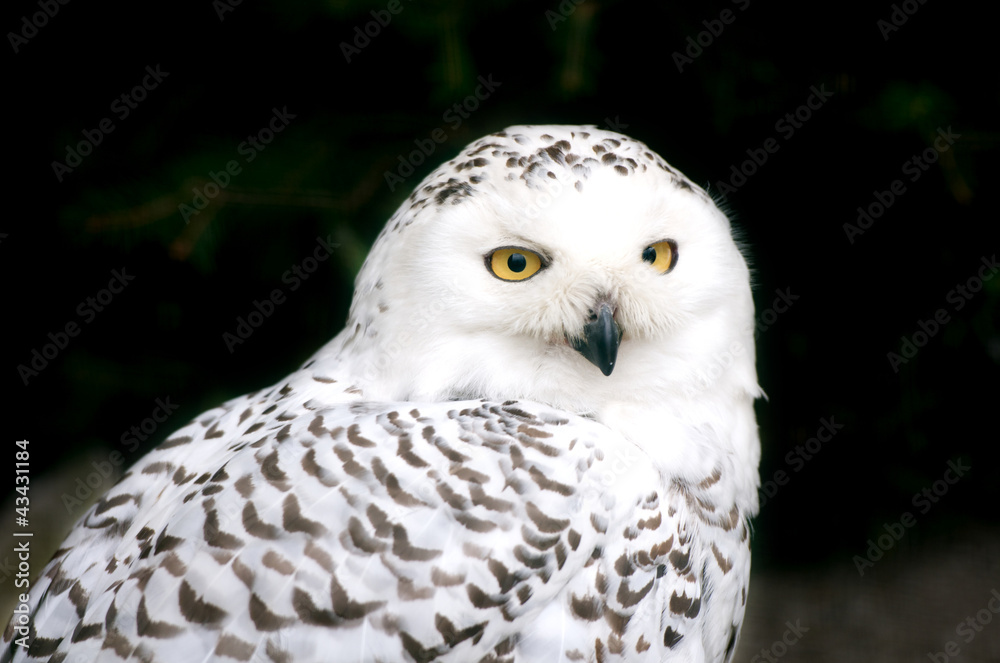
column 457, row 531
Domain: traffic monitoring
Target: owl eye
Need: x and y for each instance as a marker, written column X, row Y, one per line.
column 662, row 255
column 513, row 263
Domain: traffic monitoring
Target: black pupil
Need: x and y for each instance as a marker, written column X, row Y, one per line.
column 649, row 254
column 517, row 262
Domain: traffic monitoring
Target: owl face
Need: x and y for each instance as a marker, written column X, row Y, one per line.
column 568, row 261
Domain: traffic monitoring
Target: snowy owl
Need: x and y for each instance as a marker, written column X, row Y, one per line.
column 534, row 441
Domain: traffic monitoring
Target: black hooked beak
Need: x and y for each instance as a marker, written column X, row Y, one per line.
column 601, row 336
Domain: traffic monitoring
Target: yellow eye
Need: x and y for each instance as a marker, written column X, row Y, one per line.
column 513, row 263
column 662, row 255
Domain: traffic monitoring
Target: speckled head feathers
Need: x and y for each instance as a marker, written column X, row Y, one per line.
column 537, row 157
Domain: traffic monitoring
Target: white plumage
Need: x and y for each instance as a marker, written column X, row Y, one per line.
column 533, row 441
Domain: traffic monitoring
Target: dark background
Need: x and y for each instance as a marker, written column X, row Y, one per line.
column 612, row 64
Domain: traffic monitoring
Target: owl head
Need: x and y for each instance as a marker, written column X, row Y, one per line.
column 563, row 264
